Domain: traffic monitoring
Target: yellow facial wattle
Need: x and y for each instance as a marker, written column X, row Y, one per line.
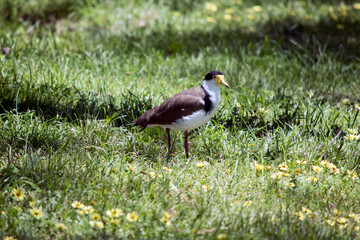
column 220, row 80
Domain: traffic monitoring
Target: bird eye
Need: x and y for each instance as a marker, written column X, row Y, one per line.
column 214, row 76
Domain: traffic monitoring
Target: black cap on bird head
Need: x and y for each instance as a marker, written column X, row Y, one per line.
column 218, row 76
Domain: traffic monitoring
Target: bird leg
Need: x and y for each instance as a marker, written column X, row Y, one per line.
column 186, row 144
column 168, row 137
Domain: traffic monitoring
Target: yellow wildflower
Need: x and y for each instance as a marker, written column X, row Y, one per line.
column 331, row 222
column 166, row 221
column 306, row 210
column 357, row 106
column 10, row 238
column 200, row 164
column 97, row 224
column 283, row 167
column 77, row 204
column 345, row 101
column 165, row 218
column 342, row 220
column 357, row 228
column 250, row 17
column 356, row 6
column 222, row 236
column 210, row 19
column 352, row 137
column 60, row 226
column 324, row 163
column 95, row 216
column 228, row 170
column 317, row 169
column 19, row 194
column 352, row 174
column 275, row 176
column 132, row 217
column 176, row 13
column 290, row 184
column 166, row 215
column 283, row 174
column 167, row 169
column 301, row 162
column 300, row 216
column 262, row 110
column 227, row 17
column 353, row 216
column 211, row 7
column 37, row 213
column 229, row 11
column 334, row 170
column 115, row 212
column 115, row 221
column 352, row 131
column 87, row 209
column 310, row 93
column 331, row 165
column 258, row 166
column 257, row 8
column 247, row 203
column 312, row 179
column 132, row 168
column 298, row 171
column 152, row 174
column 279, row 175
column 247, row 114
column 80, row 212
column 206, row 187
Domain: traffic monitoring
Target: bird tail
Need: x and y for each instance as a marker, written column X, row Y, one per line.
column 143, row 120
column 142, row 126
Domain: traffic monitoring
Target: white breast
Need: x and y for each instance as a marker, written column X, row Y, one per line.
column 192, row 121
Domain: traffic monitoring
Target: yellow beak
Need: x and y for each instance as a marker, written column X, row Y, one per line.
column 220, row 80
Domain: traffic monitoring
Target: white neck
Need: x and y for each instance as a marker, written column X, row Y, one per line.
column 214, row 91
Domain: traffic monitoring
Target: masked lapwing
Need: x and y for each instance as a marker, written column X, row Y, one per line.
column 186, row 110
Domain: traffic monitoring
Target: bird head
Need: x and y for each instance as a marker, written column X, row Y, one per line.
column 217, row 77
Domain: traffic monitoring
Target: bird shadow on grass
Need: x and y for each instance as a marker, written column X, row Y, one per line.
column 68, row 103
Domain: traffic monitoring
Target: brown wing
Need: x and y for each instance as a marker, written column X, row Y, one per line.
column 182, row 104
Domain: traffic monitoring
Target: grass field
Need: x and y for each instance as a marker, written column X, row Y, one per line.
column 279, row 160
